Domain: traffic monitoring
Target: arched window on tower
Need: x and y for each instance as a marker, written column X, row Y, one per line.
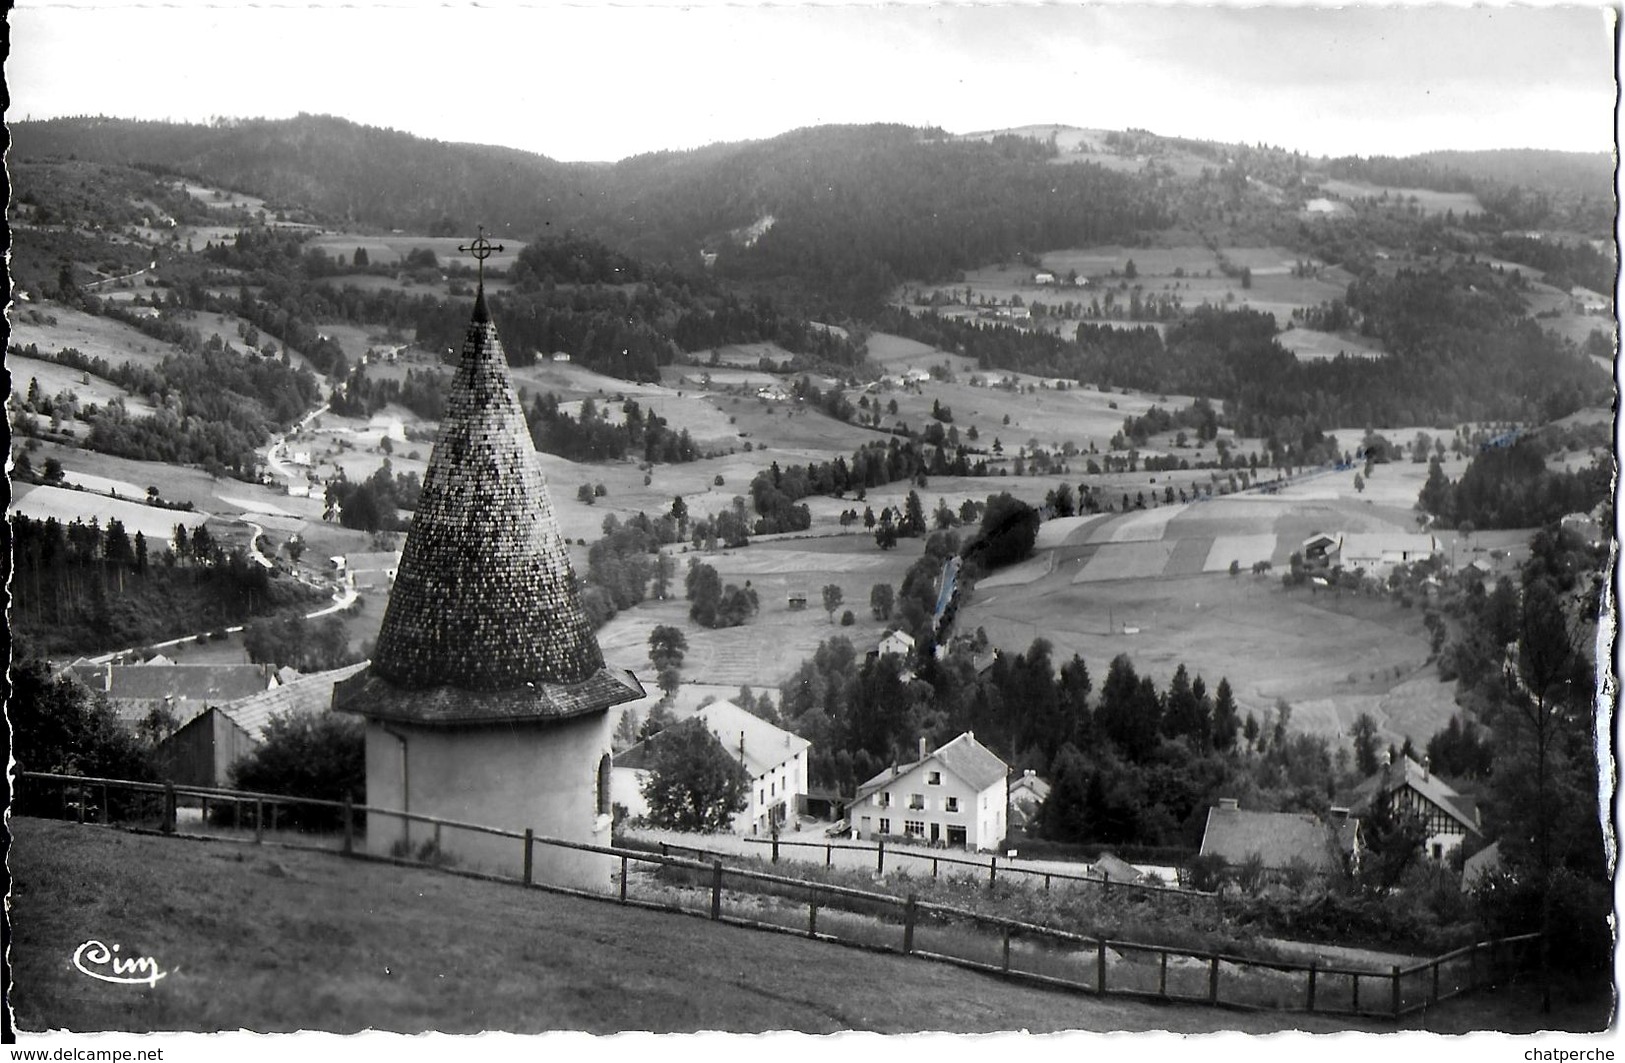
column 604, row 766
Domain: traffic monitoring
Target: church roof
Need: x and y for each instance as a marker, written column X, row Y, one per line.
column 484, row 621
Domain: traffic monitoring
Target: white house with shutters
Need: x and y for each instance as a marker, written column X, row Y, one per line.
column 954, row 796
column 775, row 759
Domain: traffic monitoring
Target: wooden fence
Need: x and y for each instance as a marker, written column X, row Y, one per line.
column 990, row 864
column 840, row 914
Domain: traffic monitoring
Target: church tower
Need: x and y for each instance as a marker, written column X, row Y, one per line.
column 486, row 700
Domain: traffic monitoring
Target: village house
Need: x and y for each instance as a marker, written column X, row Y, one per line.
column 1027, row 795
column 1281, row 840
column 182, row 690
column 1378, row 553
column 900, row 643
column 954, row 796
column 201, row 752
column 775, row 758
column 1410, row 788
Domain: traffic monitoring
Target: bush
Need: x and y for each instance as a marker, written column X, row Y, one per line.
column 847, row 619
column 316, row 755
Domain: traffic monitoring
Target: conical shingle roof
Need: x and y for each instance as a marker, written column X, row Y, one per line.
column 484, row 619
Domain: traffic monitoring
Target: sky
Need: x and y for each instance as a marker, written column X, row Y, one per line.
column 594, row 82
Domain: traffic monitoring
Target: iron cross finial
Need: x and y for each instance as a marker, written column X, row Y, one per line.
column 481, row 249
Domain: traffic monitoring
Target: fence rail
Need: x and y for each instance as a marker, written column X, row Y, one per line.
column 699, row 885
column 991, row 864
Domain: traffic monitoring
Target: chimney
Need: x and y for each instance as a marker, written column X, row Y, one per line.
column 1337, row 815
column 107, row 680
column 922, row 747
column 1229, row 804
column 1427, row 767
column 741, row 745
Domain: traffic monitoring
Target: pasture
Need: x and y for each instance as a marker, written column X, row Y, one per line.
column 95, row 337
column 1311, row 345
column 57, row 380
column 1427, row 200
column 39, row 502
column 391, row 248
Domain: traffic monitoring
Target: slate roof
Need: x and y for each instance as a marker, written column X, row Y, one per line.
column 310, row 693
column 1461, row 808
column 765, row 746
column 1279, row 838
column 484, row 622
column 964, row 758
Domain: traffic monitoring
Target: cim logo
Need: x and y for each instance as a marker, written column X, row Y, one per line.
column 105, row 964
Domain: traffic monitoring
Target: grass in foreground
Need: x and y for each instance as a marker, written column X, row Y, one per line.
column 266, row 939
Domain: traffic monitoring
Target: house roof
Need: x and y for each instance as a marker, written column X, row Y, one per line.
column 155, row 682
column 484, row 621
column 1484, row 862
column 310, row 693
column 1387, row 544
column 1030, row 785
column 1117, row 869
column 964, row 758
column 1279, row 838
column 1407, row 772
column 759, row 745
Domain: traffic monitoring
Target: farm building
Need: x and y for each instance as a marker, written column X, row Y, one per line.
column 202, row 751
column 775, row 759
column 1043, row 278
column 1027, row 796
column 900, row 643
column 183, row 690
column 487, row 697
column 1319, row 548
column 1410, row 788
column 1377, row 553
column 1282, row 840
column 955, row 796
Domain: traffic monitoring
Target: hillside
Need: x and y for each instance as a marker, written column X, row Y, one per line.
column 341, row 946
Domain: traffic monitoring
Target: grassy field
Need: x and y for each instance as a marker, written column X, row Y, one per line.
column 1427, row 200
column 340, row 946
column 392, row 248
column 96, row 337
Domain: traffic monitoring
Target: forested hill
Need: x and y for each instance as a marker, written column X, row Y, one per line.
column 840, row 213
column 851, row 210
column 341, row 171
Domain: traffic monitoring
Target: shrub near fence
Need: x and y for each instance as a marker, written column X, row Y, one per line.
column 867, row 919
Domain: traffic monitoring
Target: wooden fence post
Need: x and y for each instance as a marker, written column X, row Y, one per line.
column 169, row 808
column 1396, row 990
column 1310, row 1006
column 349, row 825
column 259, row 821
column 1213, row 980
column 908, row 925
column 775, row 847
column 623, row 878
column 933, row 867
column 1162, row 975
column 205, row 811
column 1006, row 950
column 812, row 918
column 107, row 809
column 1100, row 966
column 992, row 870
column 826, row 854
column 880, row 857
column 716, row 889
column 530, row 841
column 81, row 804
column 1435, row 981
